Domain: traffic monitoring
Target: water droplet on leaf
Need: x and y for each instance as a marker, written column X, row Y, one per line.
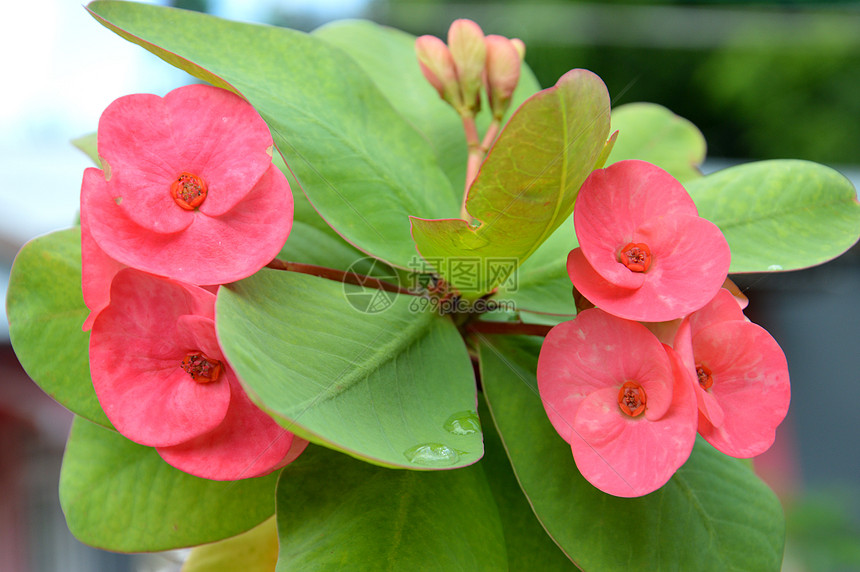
column 463, row 423
column 775, row 267
column 431, row 454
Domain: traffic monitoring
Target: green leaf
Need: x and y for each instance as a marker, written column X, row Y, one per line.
column 252, row 551
column 359, row 370
column 528, row 183
column 387, row 55
column 652, row 133
column 310, row 245
column 118, row 495
column 363, row 166
column 528, row 545
column 780, row 215
column 541, row 284
column 714, row 514
column 46, row 311
column 337, row 513
column 312, row 241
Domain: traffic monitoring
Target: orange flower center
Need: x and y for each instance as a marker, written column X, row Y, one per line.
column 705, row 378
column 188, row 190
column 636, row 256
column 632, row 398
column 201, row 368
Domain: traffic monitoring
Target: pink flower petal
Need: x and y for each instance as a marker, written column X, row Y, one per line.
column 212, row 250
column 690, row 262
column 709, row 407
column 144, row 197
column 597, row 289
column 213, row 125
column 739, row 296
column 247, row 444
column 138, row 152
column 683, row 348
column 136, row 362
column 611, row 272
column 723, row 307
column 751, row 385
column 197, row 333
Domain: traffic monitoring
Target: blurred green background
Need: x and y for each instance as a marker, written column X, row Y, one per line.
column 760, row 79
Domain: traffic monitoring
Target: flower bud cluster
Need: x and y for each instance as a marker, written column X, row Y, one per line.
column 469, row 61
column 664, row 351
column 187, row 199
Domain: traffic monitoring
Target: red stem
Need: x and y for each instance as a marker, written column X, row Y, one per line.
column 479, row 327
column 473, row 162
column 490, row 135
column 338, row 275
column 509, row 328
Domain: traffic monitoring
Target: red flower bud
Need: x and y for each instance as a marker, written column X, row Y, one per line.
column 466, row 42
column 438, row 67
column 503, row 72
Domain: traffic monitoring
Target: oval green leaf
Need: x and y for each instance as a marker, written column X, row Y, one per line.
column 312, row 241
column 528, row 183
column 528, row 545
column 46, row 310
column 362, row 165
column 542, row 288
column 357, row 369
column 120, row 496
column 780, row 215
column 337, row 513
column 714, row 514
column 652, row 133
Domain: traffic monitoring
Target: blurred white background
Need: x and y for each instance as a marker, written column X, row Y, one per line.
column 61, row 68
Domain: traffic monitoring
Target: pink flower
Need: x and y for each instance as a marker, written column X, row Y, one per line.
column 740, row 376
column 644, row 252
column 188, row 189
column 163, row 381
column 620, row 398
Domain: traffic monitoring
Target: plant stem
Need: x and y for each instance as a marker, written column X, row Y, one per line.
column 471, row 129
column 508, row 328
column 473, row 163
column 477, row 152
column 338, row 276
column 490, row 135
